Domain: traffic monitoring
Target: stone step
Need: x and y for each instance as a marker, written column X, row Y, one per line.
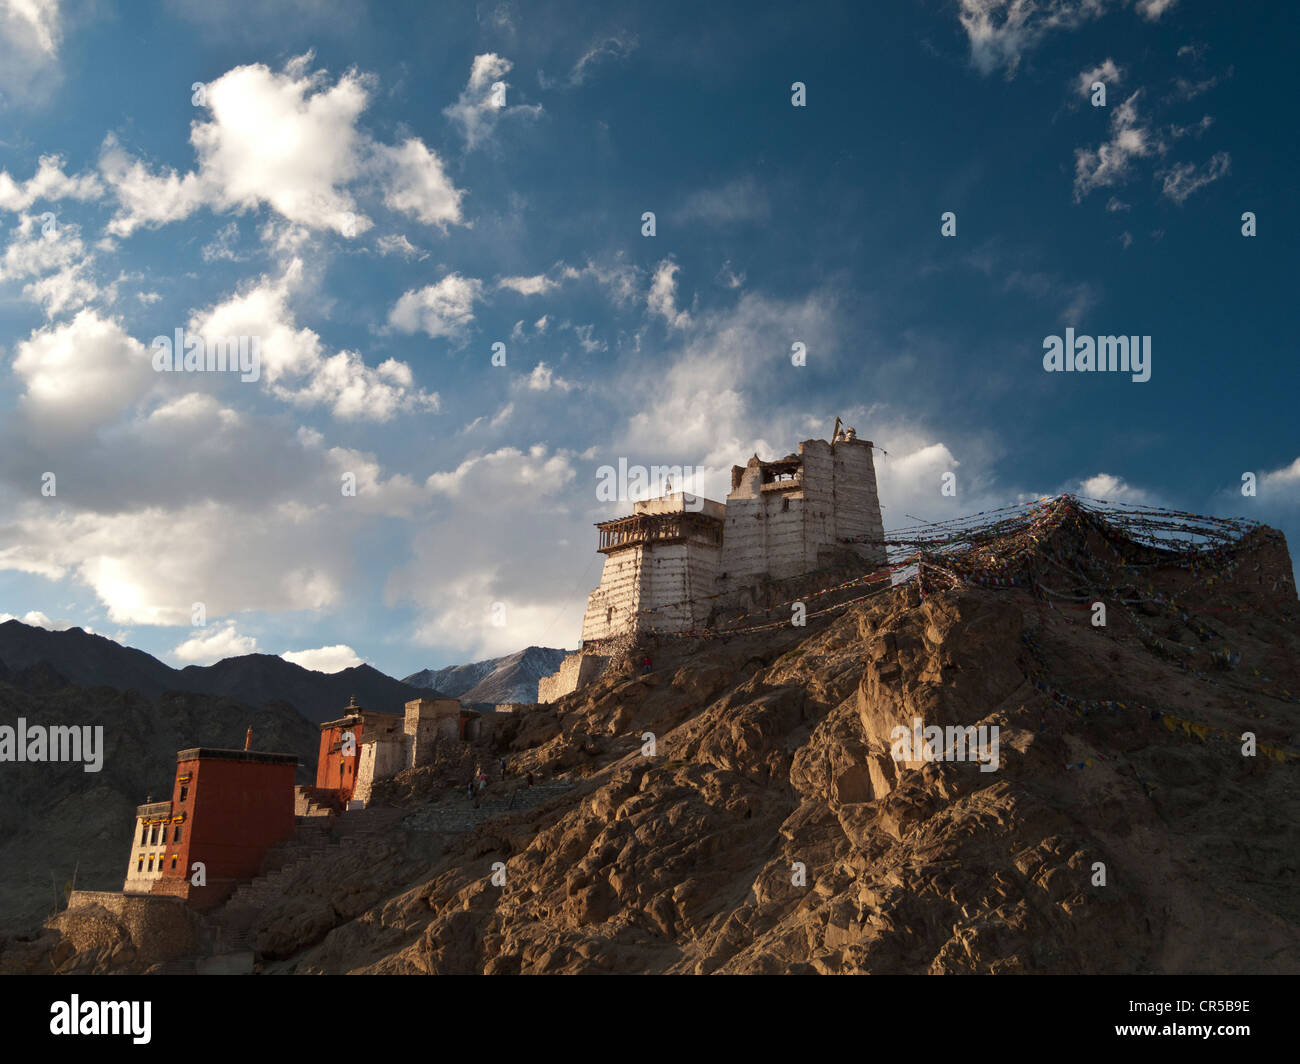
column 451, row 820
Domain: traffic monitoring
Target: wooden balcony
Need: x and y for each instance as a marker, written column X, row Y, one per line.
column 658, row 528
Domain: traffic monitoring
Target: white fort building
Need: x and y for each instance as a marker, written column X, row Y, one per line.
column 675, row 562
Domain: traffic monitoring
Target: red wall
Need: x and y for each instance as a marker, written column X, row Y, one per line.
column 234, row 812
column 332, row 760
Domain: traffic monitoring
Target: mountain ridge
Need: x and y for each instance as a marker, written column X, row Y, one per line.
column 510, row 678
column 86, row 659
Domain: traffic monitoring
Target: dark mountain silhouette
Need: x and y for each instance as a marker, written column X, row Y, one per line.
column 56, row 818
column 256, row 679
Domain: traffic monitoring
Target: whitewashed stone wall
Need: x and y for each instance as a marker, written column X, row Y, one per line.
column 612, row 607
column 141, row 871
column 575, row 670
column 656, row 575
column 857, row 503
column 678, row 580
column 778, row 530
column 379, row 759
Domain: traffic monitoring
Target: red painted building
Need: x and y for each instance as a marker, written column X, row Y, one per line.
column 228, row 808
column 340, row 748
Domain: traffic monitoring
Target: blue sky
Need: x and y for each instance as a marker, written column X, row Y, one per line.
column 350, row 186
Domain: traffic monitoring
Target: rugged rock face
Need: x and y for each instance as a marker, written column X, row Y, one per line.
column 770, row 828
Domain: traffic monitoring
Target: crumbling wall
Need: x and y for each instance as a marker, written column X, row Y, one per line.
column 780, row 530
column 857, row 502
column 379, row 760
column 428, row 720
column 764, row 534
column 818, row 513
column 134, row 929
column 575, row 670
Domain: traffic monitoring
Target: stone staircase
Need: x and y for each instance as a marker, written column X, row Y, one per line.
column 456, row 814
column 310, row 842
column 315, row 801
column 232, row 928
column 362, row 825
column 230, row 932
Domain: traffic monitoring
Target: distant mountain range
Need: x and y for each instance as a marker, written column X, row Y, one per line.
column 255, row 679
column 495, row 680
column 57, row 819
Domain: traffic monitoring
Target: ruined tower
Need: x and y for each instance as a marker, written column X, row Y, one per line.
column 673, row 559
column 788, row 517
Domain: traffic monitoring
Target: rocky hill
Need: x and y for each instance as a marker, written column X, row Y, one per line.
column 496, row 680
column 256, row 679
column 771, row 828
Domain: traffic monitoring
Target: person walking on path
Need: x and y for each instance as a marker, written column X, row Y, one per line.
column 645, row 665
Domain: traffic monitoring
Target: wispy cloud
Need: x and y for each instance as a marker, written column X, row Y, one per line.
column 1151, row 10
column 1183, row 179
column 31, row 33
column 484, row 101
column 1001, row 32
column 1106, row 72
column 605, row 50
column 741, row 200
column 1111, row 162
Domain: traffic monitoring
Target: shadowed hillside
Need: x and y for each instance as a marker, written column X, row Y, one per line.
column 57, row 818
column 773, row 830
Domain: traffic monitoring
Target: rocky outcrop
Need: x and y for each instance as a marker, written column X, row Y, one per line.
column 741, row 809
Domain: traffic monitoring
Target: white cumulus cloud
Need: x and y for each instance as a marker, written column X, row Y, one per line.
column 203, row 648
column 445, row 309
column 325, row 659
